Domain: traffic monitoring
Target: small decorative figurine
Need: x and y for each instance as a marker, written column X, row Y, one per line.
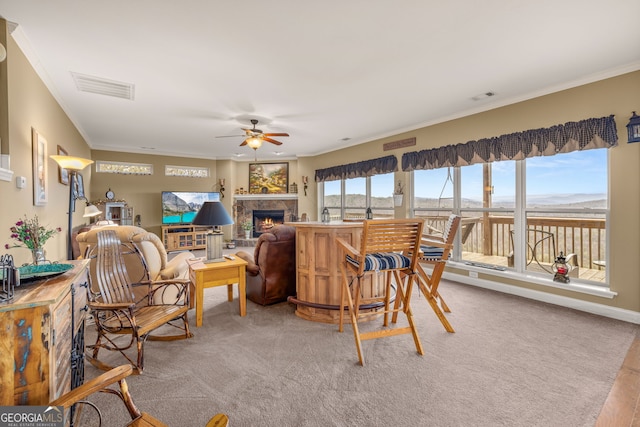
column 561, row 269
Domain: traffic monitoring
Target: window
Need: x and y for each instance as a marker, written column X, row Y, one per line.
column 519, row 215
column 373, row 192
column 355, row 198
column 332, row 198
column 124, row 168
column 188, row 171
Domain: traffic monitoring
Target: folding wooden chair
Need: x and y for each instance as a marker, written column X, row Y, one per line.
column 435, row 251
column 382, row 249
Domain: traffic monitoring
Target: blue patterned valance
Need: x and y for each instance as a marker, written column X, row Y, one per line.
column 571, row 136
column 359, row 169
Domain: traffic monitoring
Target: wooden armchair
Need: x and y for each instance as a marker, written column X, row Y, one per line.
column 78, row 397
column 124, row 320
column 389, row 247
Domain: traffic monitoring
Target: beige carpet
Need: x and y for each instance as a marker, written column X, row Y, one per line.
column 512, row 362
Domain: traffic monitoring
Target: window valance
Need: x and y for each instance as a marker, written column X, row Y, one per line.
column 571, row 136
column 359, row 169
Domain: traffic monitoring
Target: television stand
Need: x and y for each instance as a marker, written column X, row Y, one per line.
column 184, row 237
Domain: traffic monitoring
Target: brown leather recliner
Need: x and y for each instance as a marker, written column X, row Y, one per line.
column 271, row 272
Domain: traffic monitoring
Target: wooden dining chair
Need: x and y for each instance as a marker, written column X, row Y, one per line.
column 126, row 313
column 77, row 398
column 435, row 250
column 382, row 249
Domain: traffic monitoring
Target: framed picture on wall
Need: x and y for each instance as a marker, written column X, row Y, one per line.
column 39, row 153
column 63, row 174
column 268, row 178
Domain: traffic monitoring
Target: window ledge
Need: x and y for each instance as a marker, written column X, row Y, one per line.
column 6, row 174
column 574, row 286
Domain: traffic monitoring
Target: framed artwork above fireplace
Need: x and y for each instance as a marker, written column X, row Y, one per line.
column 268, row 178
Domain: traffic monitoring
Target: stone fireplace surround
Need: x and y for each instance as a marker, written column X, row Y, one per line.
column 244, row 204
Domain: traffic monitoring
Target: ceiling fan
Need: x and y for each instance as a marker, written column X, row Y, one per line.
column 255, row 137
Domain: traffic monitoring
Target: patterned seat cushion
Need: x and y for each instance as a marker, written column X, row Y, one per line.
column 432, row 252
column 382, row 261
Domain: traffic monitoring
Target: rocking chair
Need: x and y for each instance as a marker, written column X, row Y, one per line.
column 435, row 251
column 382, row 249
column 118, row 312
column 102, row 383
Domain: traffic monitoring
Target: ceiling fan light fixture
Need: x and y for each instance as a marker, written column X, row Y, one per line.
column 254, row 142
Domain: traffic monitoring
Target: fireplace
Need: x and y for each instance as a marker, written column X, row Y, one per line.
column 279, row 208
column 266, row 219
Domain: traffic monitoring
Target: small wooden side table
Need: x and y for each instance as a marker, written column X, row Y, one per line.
column 213, row 274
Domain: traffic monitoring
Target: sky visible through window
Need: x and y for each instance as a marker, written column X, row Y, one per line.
column 578, row 172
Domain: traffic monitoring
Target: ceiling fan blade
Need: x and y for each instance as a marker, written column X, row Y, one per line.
column 275, row 134
column 273, row 141
column 251, row 131
column 228, row 136
column 243, row 143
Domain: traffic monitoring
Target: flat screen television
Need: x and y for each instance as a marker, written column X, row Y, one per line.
column 180, row 207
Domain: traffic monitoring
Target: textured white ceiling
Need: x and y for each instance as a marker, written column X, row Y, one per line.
column 321, row 71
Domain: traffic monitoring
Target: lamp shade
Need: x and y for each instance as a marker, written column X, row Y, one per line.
column 254, row 142
column 212, row 213
column 71, row 163
column 91, row 210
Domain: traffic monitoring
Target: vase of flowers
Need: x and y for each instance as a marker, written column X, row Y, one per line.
column 32, row 236
column 247, row 226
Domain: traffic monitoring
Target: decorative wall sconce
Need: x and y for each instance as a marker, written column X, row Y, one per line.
column 305, row 182
column 633, row 128
column 221, row 181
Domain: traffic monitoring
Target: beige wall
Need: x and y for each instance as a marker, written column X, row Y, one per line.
column 143, row 192
column 31, row 105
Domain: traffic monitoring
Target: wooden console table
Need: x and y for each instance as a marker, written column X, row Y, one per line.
column 39, row 359
column 318, row 278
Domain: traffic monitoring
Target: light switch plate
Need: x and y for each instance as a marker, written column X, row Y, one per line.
column 21, row 181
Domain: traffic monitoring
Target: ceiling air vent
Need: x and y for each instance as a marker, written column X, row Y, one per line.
column 101, row 86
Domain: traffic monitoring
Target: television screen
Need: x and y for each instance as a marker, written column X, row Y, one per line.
column 180, row 207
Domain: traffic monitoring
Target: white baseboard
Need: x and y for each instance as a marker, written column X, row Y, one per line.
column 586, row 306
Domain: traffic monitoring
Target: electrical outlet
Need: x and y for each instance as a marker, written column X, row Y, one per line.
column 473, row 274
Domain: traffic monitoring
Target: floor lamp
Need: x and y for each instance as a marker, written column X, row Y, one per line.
column 213, row 214
column 76, row 191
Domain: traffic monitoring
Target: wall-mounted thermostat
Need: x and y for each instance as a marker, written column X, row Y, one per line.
column 21, row 181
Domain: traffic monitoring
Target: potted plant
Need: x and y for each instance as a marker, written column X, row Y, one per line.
column 247, row 226
column 397, row 194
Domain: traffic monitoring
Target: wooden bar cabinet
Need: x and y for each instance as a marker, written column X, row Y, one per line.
column 42, row 339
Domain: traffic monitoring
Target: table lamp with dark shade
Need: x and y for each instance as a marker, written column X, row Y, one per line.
column 213, row 214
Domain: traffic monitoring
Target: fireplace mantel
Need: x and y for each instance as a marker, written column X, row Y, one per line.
column 285, row 196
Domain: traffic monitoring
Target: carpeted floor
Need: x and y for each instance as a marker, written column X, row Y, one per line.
column 512, row 362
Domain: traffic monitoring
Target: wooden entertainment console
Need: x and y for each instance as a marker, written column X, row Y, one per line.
column 184, row 237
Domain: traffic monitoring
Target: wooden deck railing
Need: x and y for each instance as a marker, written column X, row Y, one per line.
column 491, row 236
